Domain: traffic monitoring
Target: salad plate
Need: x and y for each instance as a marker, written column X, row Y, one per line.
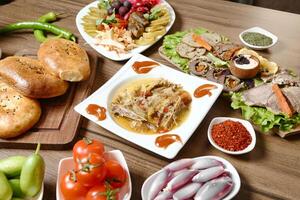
column 199, row 107
column 113, row 55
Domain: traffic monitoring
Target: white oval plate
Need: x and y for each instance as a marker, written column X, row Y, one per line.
column 67, row 164
column 262, row 31
column 245, row 123
column 228, row 167
column 199, row 106
column 111, row 54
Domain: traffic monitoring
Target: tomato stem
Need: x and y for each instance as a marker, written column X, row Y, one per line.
column 87, row 140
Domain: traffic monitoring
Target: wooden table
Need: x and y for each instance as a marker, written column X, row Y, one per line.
column 270, row 171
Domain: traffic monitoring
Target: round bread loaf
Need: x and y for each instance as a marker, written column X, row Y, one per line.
column 30, row 78
column 65, row 59
column 17, row 112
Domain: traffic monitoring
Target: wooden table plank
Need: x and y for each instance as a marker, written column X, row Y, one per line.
column 271, row 171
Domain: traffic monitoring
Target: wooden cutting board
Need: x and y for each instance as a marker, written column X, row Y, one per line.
column 59, row 122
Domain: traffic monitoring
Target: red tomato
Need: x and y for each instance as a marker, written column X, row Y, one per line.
column 72, row 189
column 86, row 146
column 102, row 192
column 91, row 170
column 116, row 175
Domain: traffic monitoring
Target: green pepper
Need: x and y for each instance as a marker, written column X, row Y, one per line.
column 16, row 198
column 38, row 25
column 32, row 174
column 5, row 191
column 15, row 186
column 49, row 17
column 12, row 166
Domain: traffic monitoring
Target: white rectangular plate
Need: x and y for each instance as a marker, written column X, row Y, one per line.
column 199, row 106
column 111, row 54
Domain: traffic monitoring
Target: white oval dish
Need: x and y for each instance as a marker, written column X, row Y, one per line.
column 228, row 167
column 67, row 164
column 111, row 54
column 262, row 31
column 245, row 123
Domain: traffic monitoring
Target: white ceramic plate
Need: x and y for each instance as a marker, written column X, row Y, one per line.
column 199, row 106
column 111, row 54
column 247, row 125
column 262, row 31
column 67, row 164
column 227, row 165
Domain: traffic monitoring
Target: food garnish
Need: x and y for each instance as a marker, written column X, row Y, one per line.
column 204, row 90
column 231, row 135
column 143, row 67
column 166, row 140
column 257, row 39
column 150, row 105
column 97, row 111
column 199, row 178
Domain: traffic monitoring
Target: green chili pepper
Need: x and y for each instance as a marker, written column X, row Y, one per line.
column 15, row 186
column 5, row 191
column 38, row 25
column 12, row 166
column 32, row 174
column 39, row 34
column 16, row 198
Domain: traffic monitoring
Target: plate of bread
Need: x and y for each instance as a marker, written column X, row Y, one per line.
column 33, row 88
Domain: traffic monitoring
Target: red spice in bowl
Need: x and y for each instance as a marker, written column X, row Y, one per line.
column 231, row 135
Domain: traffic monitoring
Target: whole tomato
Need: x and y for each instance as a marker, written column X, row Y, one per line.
column 102, row 192
column 86, row 146
column 116, row 175
column 72, row 189
column 91, row 170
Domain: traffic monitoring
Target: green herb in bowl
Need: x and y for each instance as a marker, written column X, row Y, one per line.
column 257, row 39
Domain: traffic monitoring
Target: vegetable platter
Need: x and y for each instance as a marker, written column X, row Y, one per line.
column 105, row 26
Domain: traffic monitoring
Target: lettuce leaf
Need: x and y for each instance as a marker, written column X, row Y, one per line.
column 217, row 61
column 262, row 117
column 170, row 43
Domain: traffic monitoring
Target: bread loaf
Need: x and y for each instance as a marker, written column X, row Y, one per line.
column 17, row 112
column 66, row 59
column 31, row 78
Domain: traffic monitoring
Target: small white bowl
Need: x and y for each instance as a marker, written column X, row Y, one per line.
column 67, row 164
column 227, row 165
column 262, row 31
column 246, row 124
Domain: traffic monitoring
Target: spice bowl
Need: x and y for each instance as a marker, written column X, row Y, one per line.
column 245, row 123
column 261, row 31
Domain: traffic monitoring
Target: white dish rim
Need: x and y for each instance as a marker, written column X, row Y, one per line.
column 228, row 166
column 245, row 123
column 112, row 55
column 121, row 159
column 258, row 29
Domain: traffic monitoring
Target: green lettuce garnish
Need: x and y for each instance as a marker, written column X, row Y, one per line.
column 217, row 61
column 262, row 117
column 170, row 43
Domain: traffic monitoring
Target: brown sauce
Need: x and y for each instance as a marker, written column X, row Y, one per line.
column 144, row 67
column 165, row 140
column 204, row 90
column 96, row 110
